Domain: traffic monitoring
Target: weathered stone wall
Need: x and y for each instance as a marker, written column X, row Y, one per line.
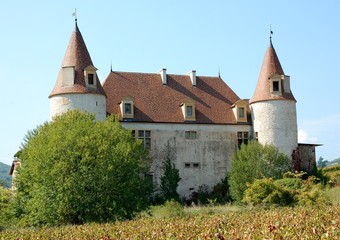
column 307, row 157
column 93, row 103
column 204, row 160
column 276, row 124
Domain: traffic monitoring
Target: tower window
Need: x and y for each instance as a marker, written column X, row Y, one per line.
column 90, row 78
column 276, row 86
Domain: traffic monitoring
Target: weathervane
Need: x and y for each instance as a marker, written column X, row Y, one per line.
column 271, row 32
column 75, row 14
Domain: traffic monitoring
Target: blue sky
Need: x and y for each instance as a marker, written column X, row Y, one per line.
column 145, row 36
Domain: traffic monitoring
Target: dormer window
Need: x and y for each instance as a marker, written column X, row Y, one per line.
column 240, row 109
column 241, row 112
column 90, row 76
column 275, row 85
column 188, row 109
column 127, row 107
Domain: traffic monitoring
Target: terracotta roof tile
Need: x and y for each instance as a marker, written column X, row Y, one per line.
column 270, row 66
column 78, row 56
column 155, row 102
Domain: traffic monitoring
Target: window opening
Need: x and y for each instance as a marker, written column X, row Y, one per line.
column 90, row 78
column 189, row 111
column 276, row 86
column 128, row 108
column 241, row 112
column 242, row 137
column 190, row 134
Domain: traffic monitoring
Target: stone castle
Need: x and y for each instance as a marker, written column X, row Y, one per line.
column 200, row 117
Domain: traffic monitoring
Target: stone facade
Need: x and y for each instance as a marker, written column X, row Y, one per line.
column 201, row 119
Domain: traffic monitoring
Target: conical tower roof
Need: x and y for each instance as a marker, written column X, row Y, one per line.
column 76, row 56
column 271, row 66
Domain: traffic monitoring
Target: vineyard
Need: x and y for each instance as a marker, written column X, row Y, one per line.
column 276, row 223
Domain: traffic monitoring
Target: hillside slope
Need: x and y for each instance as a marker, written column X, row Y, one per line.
column 5, row 179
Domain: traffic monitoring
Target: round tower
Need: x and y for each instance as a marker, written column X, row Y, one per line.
column 78, row 86
column 273, row 106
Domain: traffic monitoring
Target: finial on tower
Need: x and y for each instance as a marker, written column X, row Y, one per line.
column 219, row 72
column 271, row 32
column 111, row 66
column 74, row 14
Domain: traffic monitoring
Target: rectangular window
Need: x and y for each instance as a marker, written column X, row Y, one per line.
column 189, row 111
column 90, row 78
column 256, row 136
column 242, row 137
column 196, row 165
column 187, row 165
column 127, row 108
column 190, row 134
column 241, row 113
column 145, row 136
column 276, row 86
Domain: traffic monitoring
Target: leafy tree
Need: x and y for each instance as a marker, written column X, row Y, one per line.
column 75, row 170
column 255, row 161
column 170, row 178
column 6, row 215
column 322, row 163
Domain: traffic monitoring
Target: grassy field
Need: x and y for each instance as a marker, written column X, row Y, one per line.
column 224, row 222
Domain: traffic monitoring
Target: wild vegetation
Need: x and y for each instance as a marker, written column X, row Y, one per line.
column 255, row 161
column 205, row 223
column 83, row 179
column 76, row 170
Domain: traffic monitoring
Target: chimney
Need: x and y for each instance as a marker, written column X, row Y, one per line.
column 192, row 75
column 163, row 76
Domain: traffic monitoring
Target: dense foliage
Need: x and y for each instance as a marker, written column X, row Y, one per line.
column 170, row 178
column 286, row 192
column 277, row 223
column 333, row 173
column 255, row 161
column 76, row 170
column 6, row 215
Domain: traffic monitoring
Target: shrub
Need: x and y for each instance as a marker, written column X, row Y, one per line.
column 255, row 161
column 265, row 191
column 75, row 170
column 6, row 215
column 169, row 209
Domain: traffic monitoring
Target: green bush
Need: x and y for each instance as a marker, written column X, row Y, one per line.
column 255, row 161
column 6, row 215
column 286, row 192
column 76, row 170
column 169, row 209
column 290, row 183
column 265, row 191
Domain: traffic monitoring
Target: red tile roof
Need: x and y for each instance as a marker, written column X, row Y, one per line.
column 155, row 102
column 76, row 55
column 270, row 66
